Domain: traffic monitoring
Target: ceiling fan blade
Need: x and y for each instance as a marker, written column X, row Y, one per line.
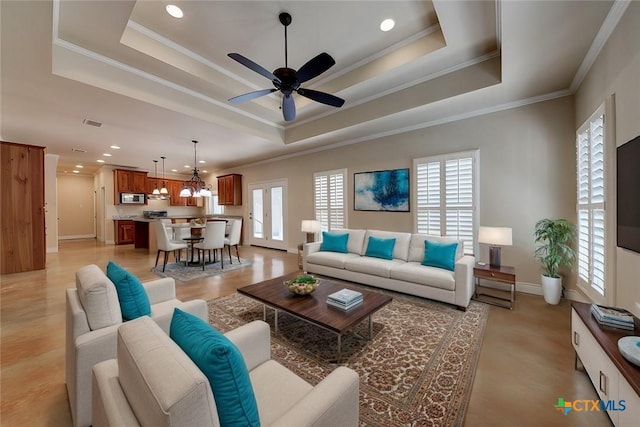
column 288, row 107
column 322, row 97
column 314, row 67
column 253, row 66
column 251, row 95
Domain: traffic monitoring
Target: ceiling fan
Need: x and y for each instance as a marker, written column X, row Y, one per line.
column 288, row 80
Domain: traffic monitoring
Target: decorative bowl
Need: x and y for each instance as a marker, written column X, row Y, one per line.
column 302, row 285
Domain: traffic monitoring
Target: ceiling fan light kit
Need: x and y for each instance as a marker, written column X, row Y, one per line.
column 287, row 80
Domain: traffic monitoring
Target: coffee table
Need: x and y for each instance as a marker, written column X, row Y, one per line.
column 313, row 308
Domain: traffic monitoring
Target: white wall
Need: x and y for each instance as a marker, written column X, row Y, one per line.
column 617, row 72
column 76, row 208
column 527, row 172
column 51, row 203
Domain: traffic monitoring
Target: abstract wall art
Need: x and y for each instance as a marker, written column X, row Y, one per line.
column 386, row 190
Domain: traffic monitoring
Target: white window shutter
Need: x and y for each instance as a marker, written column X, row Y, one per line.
column 330, row 199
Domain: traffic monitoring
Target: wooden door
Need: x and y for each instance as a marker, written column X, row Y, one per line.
column 23, row 208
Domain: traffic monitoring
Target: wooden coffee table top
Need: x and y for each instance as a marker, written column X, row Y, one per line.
column 314, row 307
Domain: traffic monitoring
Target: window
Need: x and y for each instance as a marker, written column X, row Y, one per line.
column 445, row 189
column 590, row 146
column 330, row 199
column 216, row 209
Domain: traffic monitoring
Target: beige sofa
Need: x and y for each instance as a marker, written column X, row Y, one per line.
column 404, row 273
column 93, row 316
column 153, row 382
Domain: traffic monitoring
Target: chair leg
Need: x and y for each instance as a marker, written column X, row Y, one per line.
column 237, row 252
column 166, row 258
column 221, row 259
column 157, row 258
column 230, row 259
column 201, row 257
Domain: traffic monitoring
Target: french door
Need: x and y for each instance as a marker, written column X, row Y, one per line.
column 267, row 215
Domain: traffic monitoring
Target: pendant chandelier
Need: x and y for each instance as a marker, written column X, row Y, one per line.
column 195, row 186
column 155, row 194
column 163, row 191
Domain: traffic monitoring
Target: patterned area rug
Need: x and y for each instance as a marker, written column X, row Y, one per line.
column 183, row 274
column 417, row 371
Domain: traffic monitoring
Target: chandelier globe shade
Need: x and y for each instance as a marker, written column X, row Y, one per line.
column 195, row 186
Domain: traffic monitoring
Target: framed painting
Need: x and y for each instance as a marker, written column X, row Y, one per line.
column 384, row 191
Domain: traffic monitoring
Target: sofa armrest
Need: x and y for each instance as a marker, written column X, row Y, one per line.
column 333, row 402
column 464, row 280
column 110, row 405
column 254, row 342
column 310, row 248
column 160, row 290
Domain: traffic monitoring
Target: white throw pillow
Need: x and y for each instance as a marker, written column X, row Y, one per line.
column 98, row 297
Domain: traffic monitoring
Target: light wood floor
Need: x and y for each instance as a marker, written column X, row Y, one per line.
column 525, row 365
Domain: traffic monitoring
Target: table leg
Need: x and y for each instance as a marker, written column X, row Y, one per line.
column 276, row 322
column 339, row 348
column 264, row 312
column 370, row 329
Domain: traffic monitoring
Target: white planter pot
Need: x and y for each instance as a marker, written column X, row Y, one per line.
column 551, row 289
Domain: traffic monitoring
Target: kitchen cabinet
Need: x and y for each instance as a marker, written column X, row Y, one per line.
column 23, row 208
column 174, row 187
column 127, row 181
column 230, row 189
column 124, row 231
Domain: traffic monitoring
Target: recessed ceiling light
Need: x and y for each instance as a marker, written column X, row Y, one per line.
column 202, row 161
column 387, row 25
column 174, row 170
column 79, row 166
column 174, row 11
column 187, row 166
column 100, row 161
column 106, row 154
column 75, row 171
column 115, row 147
column 205, row 171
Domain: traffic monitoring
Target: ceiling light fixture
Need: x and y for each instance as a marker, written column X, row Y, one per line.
column 100, row 161
column 163, row 190
column 387, row 25
column 195, row 186
column 115, row 147
column 174, row 11
column 106, row 154
column 155, row 194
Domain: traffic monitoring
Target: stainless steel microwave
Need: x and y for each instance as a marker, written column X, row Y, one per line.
column 132, row 198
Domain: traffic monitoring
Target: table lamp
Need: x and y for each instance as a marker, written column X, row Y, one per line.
column 495, row 237
column 311, row 227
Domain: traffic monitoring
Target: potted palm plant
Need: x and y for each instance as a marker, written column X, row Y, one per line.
column 554, row 239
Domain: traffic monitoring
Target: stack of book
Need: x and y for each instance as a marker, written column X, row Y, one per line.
column 614, row 317
column 345, row 299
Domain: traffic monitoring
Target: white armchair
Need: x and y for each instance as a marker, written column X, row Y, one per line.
column 92, row 319
column 168, row 389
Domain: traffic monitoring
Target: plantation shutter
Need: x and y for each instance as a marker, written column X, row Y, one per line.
column 445, row 202
column 591, row 203
column 330, row 197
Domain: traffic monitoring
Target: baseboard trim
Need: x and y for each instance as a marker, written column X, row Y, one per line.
column 77, row 236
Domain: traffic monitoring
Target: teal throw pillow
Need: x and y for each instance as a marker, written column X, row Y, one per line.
column 380, row 248
column 441, row 255
column 334, row 242
column 222, row 363
column 134, row 301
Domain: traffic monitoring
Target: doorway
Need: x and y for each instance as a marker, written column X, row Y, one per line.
column 267, row 214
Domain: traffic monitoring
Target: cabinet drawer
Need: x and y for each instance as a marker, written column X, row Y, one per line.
column 602, row 372
column 493, row 275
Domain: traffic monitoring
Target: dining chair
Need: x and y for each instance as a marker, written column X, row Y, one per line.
column 234, row 238
column 166, row 245
column 213, row 240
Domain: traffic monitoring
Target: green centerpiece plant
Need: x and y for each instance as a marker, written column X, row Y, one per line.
column 554, row 239
column 303, row 284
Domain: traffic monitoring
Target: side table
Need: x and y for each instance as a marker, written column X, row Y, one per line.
column 503, row 274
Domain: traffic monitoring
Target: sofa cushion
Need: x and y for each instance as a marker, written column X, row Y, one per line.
column 442, row 255
column 416, row 247
column 334, row 242
column 415, row 272
column 161, row 384
column 330, row 259
column 221, row 361
column 380, row 248
column 401, row 248
column 355, row 243
column 98, row 297
column 131, row 294
column 369, row 265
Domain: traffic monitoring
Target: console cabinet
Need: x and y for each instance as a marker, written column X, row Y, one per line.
column 616, row 380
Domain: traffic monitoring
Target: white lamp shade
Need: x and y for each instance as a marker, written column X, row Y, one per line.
column 185, row 192
column 310, row 226
column 497, row 236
